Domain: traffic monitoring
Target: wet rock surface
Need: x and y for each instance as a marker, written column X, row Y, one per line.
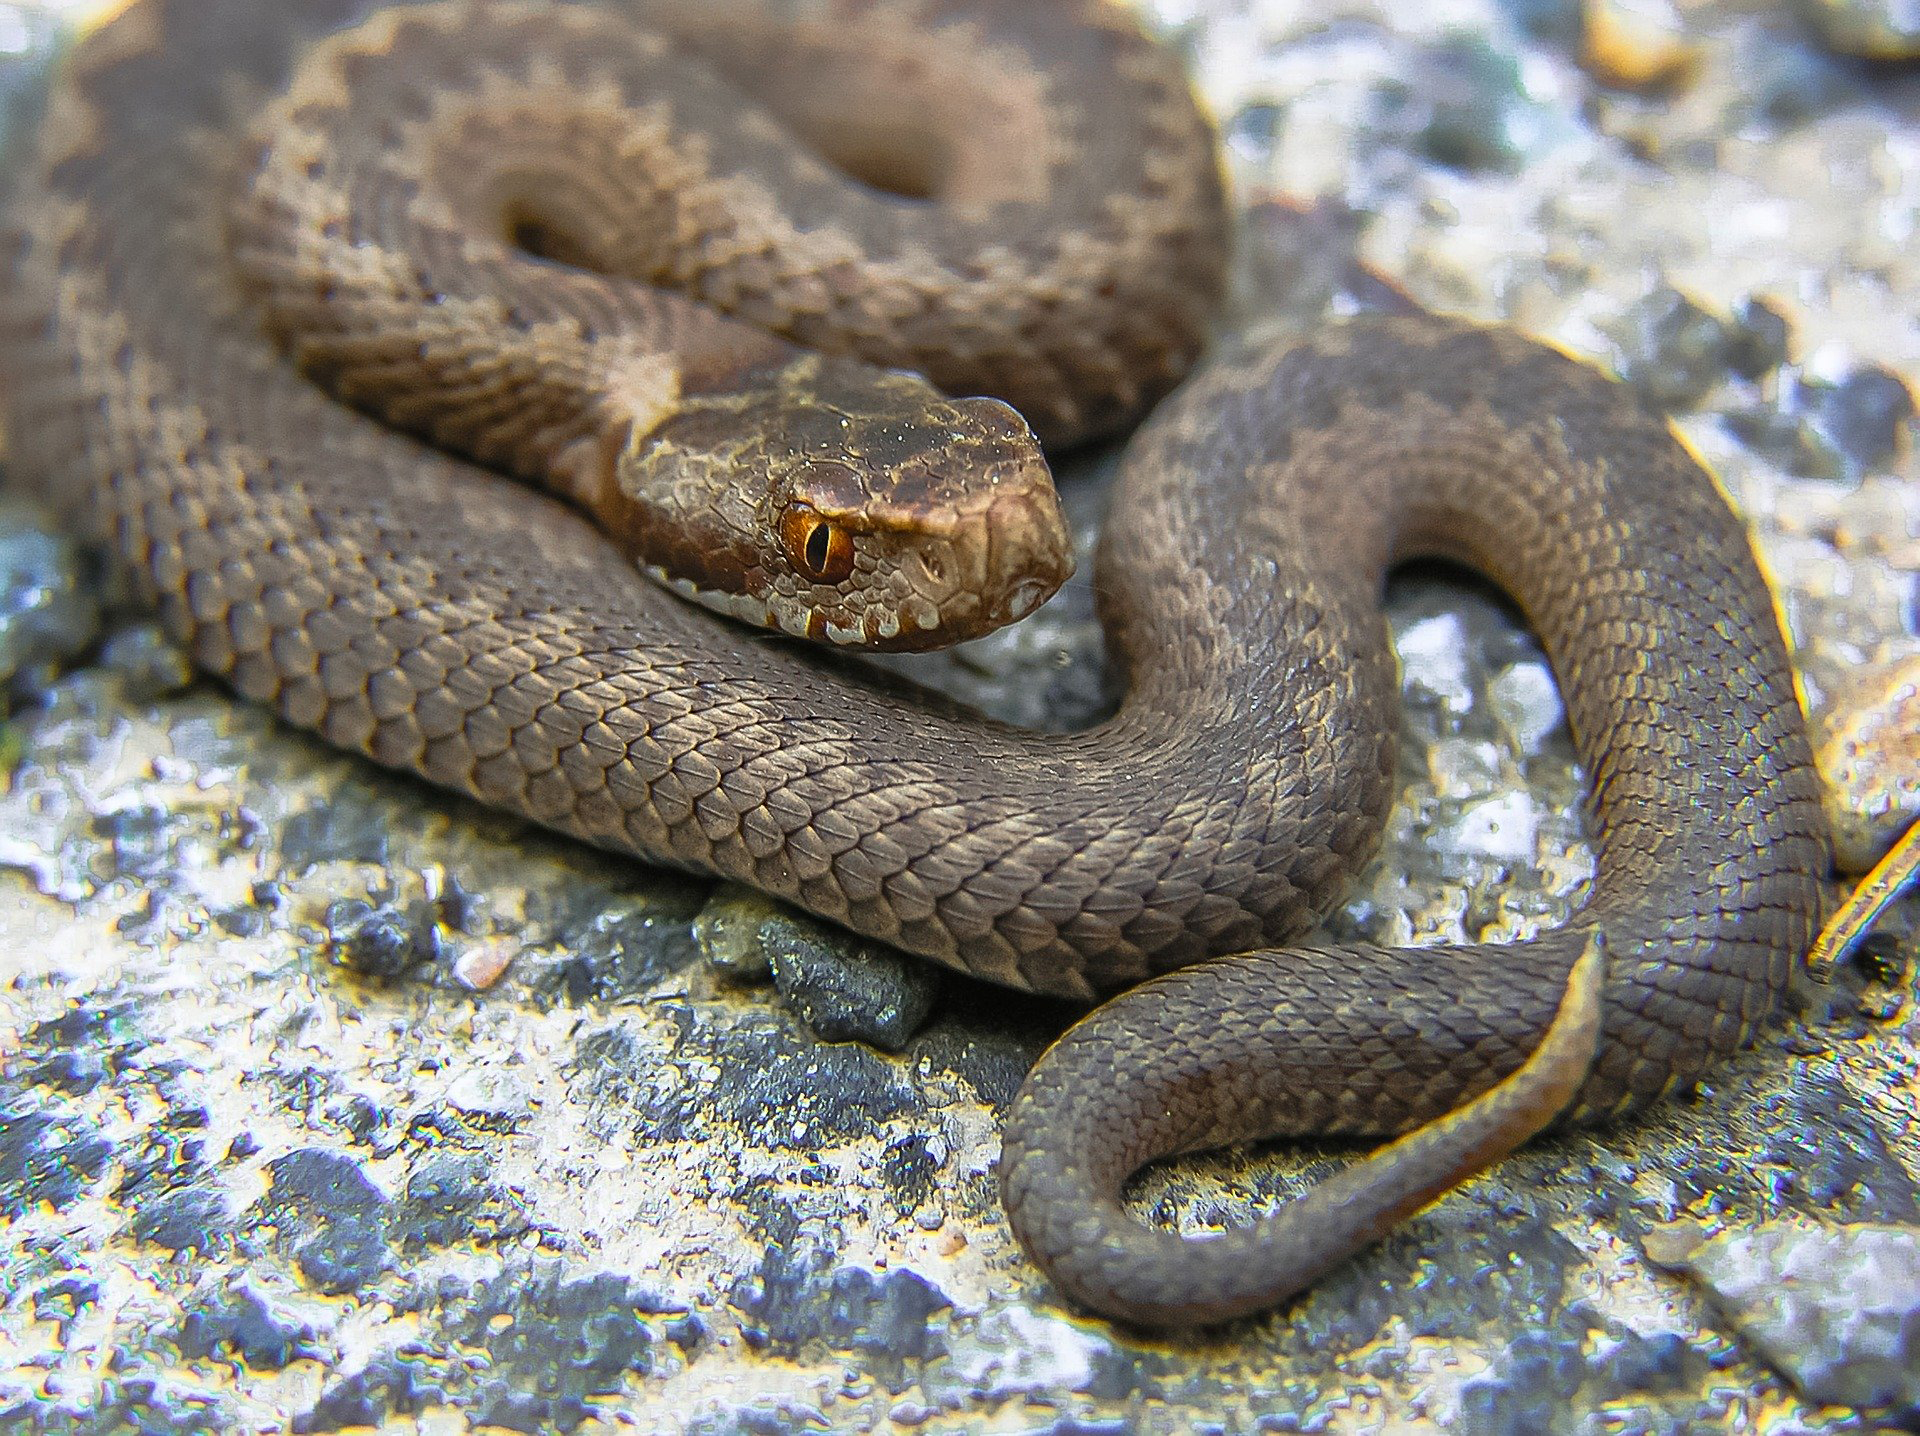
column 328, row 1101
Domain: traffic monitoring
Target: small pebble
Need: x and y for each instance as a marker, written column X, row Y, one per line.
column 1762, row 338
column 1433, row 660
column 1463, row 768
column 847, row 990
column 484, row 963
column 844, row 988
column 381, row 942
column 1506, row 829
column 1463, row 107
column 1254, row 130
column 243, row 1321
column 728, row 934
column 1862, row 417
column 1557, row 21
column 1785, row 84
column 1526, row 700
column 149, row 664
column 490, row 1095
column 48, row 611
column 1780, row 438
column 1672, row 350
column 1637, row 44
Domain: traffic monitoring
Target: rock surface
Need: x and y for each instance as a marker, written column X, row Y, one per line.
column 1837, row 1308
column 328, row 1101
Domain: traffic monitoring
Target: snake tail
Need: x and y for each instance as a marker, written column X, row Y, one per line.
column 1097, row 1251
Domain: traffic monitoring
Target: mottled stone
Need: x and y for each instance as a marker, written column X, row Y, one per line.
column 453, row 1198
column 730, row 932
column 332, row 1216
column 183, row 1219
column 1786, row 85
column 1762, row 338
column 1864, row 416
column 1556, row 20
column 796, row 1299
column 1835, row 1308
column 148, row 664
column 551, row 1343
column 1526, row 700
column 384, row 941
column 391, row 1385
column 46, row 1160
column 845, row 989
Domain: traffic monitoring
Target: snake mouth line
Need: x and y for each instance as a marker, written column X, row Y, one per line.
column 794, row 619
column 734, row 605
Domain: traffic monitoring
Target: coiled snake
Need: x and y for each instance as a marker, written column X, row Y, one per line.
column 1017, row 199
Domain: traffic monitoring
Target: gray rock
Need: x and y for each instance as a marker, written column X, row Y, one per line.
column 331, row 1216
column 847, row 990
column 1672, row 350
column 1463, row 106
column 1762, row 338
column 1254, row 129
column 239, row 1320
column 149, row 664
column 1861, row 416
column 186, row 1219
column 1786, row 86
column 1526, row 700
column 1871, row 758
column 1555, row 20
column 49, row 611
column 820, row 1220
column 383, row 941
column 1835, row 1308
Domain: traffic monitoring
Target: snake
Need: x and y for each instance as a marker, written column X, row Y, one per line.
column 782, row 305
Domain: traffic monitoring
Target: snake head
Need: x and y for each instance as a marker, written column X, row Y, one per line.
column 843, row 503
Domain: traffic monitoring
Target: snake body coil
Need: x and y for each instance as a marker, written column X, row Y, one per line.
column 413, row 606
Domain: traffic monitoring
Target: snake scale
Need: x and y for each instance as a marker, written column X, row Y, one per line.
column 508, row 228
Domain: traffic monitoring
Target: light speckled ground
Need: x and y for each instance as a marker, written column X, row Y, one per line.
column 266, row 1157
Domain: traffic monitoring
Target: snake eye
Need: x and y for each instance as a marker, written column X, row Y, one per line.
column 818, row 547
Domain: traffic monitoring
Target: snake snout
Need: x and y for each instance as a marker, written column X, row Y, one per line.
column 1030, row 554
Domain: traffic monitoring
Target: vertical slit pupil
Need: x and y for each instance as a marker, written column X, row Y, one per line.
column 819, row 544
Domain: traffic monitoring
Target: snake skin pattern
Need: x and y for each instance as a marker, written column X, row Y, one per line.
column 409, row 604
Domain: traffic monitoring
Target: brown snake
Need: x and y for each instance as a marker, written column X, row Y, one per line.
column 1044, row 224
